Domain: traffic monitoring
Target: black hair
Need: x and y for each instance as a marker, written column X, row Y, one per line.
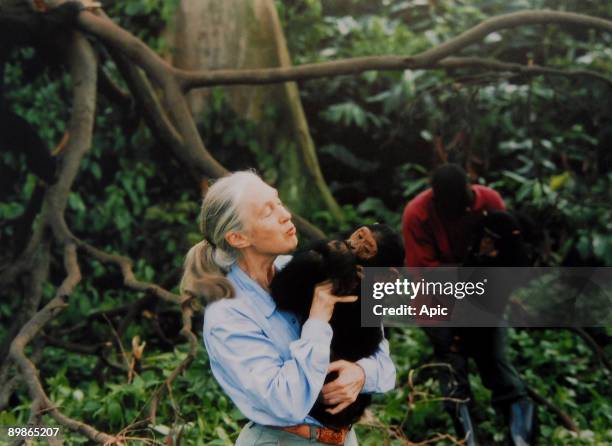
column 390, row 249
column 449, row 183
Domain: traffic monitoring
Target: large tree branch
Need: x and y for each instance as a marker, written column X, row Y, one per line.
column 154, row 113
column 506, row 21
column 83, row 66
column 40, row 400
column 109, row 88
column 181, row 134
column 427, row 59
column 174, row 82
column 192, row 153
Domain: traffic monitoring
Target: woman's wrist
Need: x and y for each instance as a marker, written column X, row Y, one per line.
column 317, row 330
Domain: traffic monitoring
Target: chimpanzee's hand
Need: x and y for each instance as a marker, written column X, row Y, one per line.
column 345, row 388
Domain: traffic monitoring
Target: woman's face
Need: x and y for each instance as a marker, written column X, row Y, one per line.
column 363, row 243
column 268, row 226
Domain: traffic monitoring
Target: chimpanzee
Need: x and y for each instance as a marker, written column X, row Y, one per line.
column 499, row 241
column 338, row 260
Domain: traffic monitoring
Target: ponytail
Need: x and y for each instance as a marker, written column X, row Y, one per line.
column 202, row 278
column 209, row 260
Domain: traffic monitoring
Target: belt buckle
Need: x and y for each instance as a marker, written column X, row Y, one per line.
column 333, row 436
column 314, row 433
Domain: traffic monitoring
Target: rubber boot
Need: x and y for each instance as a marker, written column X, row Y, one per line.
column 522, row 422
column 463, row 425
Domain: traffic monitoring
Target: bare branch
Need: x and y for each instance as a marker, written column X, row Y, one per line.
column 154, row 112
column 187, row 332
column 109, row 88
column 427, row 59
column 40, row 400
column 125, row 264
column 83, row 67
column 192, row 152
column 188, row 147
column 507, row 21
column 495, row 65
column 565, row 419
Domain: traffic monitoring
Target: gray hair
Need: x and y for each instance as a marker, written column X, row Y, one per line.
column 209, row 260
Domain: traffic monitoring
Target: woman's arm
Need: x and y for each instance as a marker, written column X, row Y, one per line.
column 250, row 369
column 379, row 370
column 375, row 373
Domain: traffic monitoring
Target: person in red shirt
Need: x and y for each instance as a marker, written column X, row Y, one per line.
column 438, row 226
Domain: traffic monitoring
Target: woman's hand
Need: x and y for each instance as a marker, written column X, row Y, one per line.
column 323, row 301
column 345, row 388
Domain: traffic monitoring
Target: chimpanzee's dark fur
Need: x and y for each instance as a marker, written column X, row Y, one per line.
column 506, row 230
column 292, row 288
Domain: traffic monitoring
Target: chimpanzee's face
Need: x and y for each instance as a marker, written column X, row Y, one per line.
column 363, row 243
column 338, row 246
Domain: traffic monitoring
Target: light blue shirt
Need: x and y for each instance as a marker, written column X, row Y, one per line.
column 271, row 372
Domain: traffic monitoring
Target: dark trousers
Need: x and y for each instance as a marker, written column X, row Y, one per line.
column 487, row 346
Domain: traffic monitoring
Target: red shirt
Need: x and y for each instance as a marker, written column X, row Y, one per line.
column 429, row 241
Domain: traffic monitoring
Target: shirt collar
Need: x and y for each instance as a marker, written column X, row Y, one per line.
column 260, row 297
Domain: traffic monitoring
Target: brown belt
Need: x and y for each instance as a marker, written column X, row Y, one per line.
column 321, row 434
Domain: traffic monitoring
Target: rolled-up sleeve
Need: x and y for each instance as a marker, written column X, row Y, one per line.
column 252, row 371
column 379, row 370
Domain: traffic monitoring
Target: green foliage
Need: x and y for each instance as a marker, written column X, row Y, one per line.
column 145, row 18
column 541, row 141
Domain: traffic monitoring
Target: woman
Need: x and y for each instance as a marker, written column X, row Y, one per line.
column 269, row 368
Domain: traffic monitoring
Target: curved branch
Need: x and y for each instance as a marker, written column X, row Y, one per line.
column 187, row 332
column 125, row 264
column 427, row 59
column 190, row 148
column 153, row 110
column 496, row 65
column 565, row 419
column 192, row 152
column 83, row 68
column 512, row 20
column 8, row 386
column 40, row 400
column 111, row 90
column 129, row 279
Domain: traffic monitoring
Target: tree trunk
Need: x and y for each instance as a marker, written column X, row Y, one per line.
column 213, row 34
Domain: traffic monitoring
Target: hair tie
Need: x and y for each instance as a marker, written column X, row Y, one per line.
column 210, row 242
